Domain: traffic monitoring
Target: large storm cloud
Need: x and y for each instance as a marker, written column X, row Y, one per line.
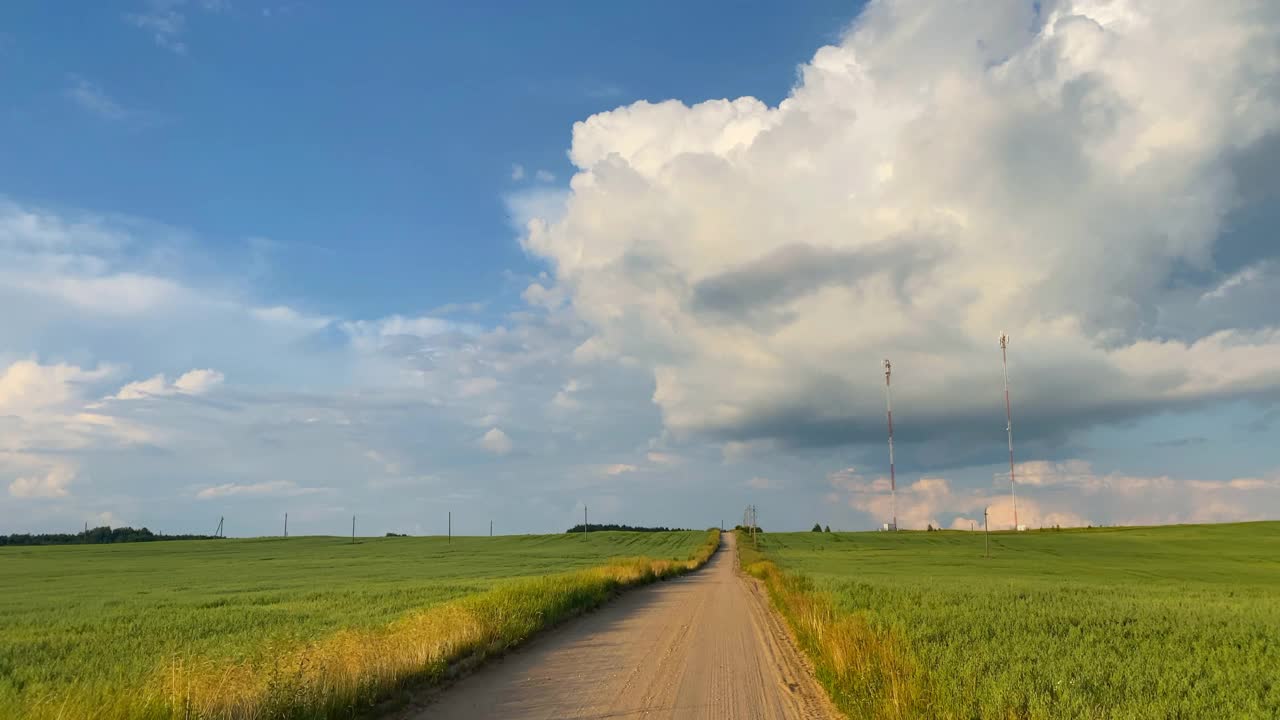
column 1082, row 174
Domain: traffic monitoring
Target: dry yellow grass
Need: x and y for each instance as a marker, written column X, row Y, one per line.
column 849, row 654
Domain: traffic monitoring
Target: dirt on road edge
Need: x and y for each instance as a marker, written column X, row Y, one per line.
column 796, row 668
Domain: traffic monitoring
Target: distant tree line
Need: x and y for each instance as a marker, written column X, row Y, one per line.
column 593, row 527
column 95, row 536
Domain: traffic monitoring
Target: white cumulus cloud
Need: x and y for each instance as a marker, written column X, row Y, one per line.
column 1062, row 170
column 192, row 382
column 28, row 387
column 1069, row 493
column 51, row 483
column 496, row 442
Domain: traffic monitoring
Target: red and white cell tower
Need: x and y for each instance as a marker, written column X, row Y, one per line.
column 893, row 481
column 1008, row 414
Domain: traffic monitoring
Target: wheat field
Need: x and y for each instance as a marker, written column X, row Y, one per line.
column 1144, row 622
column 313, row 627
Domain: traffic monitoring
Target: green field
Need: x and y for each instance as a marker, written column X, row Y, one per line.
column 87, row 625
column 1160, row 622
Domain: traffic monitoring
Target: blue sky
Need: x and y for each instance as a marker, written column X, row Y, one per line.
column 370, row 148
column 395, row 261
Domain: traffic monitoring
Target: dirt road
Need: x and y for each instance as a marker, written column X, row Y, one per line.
column 701, row 646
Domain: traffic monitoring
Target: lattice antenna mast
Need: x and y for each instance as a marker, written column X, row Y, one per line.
column 893, row 480
column 1008, row 413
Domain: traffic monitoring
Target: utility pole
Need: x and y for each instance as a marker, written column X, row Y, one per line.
column 893, row 480
column 986, row 534
column 1008, row 413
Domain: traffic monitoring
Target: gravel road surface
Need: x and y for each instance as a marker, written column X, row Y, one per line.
column 702, row 646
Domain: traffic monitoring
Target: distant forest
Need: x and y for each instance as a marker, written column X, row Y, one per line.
column 628, row 528
column 95, row 536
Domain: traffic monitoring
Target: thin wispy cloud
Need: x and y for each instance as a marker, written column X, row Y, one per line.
column 605, row 91
column 165, row 24
column 92, row 98
column 271, row 488
column 166, row 20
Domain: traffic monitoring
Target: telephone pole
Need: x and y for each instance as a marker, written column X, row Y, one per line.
column 1008, row 413
column 986, row 534
column 893, row 480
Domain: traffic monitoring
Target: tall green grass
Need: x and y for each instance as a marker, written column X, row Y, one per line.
column 298, row 628
column 1167, row 622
